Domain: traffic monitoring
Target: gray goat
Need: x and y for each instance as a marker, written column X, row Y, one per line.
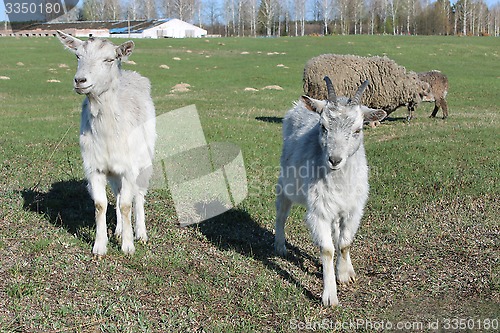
column 324, row 167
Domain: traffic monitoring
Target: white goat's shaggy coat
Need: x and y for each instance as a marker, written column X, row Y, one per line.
column 117, row 135
column 324, row 167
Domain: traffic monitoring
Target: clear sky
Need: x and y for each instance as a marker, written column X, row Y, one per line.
column 3, row 16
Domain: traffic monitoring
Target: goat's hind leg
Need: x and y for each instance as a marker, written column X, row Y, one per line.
column 140, row 220
column 126, row 196
column 115, row 183
column 142, row 183
column 283, row 206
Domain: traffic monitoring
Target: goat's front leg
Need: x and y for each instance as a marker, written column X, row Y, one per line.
column 322, row 234
column 126, row 196
column 97, row 189
column 329, row 297
column 347, row 230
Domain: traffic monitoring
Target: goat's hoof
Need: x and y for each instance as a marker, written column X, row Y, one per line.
column 99, row 249
column 280, row 250
column 346, row 278
column 128, row 248
column 142, row 238
column 330, row 300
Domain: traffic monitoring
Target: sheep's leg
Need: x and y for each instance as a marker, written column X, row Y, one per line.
column 140, row 223
column 411, row 110
column 283, row 205
column 436, row 109
column 126, row 195
column 348, row 228
column 97, row 189
column 444, row 106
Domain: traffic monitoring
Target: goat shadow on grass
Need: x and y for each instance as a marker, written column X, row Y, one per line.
column 66, row 204
column 236, row 230
column 274, row 120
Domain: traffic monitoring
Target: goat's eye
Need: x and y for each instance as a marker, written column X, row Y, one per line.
column 356, row 132
column 109, row 60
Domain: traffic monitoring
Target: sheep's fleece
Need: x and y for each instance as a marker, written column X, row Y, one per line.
column 391, row 86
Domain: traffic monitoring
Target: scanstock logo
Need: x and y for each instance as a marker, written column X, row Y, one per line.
column 204, row 179
column 21, row 13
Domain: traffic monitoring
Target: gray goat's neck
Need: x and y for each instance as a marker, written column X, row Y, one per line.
column 105, row 101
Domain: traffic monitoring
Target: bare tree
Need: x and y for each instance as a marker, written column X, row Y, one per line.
column 93, row 10
column 212, row 12
column 267, row 13
column 112, row 9
column 342, row 7
column 464, row 13
column 326, row 10
column 132, row 10
column 394, row 8
column 253, row 10
column 299, row 16
column 147, row 9
column 183, row 9
column 494, row 20
column 357, row 15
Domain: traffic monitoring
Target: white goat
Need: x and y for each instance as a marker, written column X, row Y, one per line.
column 117, row 135
column 323, row 166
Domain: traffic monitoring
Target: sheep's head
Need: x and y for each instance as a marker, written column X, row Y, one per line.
column 99, row 62
column 420, row 91
column 341, row 123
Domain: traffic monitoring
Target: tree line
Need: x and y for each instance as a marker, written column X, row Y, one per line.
column 305, row 17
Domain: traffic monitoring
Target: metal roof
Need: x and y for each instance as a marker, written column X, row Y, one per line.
column 136, row 26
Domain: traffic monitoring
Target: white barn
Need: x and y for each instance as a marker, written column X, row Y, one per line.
column 168, row 28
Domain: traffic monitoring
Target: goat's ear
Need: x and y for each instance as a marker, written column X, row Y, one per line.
column 371, row 115
column 312, row 104
column 69, row 41
column 125, row 49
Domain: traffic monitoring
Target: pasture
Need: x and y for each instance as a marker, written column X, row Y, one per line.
column 427, row 251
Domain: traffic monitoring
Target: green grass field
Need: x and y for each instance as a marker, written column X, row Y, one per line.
column 427, row 251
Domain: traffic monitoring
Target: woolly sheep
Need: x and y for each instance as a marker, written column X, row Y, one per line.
column 391, row 85
column 323, row 167
column 439, row 89
column 117, row 135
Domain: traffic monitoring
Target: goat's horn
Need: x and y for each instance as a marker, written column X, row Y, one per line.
column 332, row 97
column 356, row 100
